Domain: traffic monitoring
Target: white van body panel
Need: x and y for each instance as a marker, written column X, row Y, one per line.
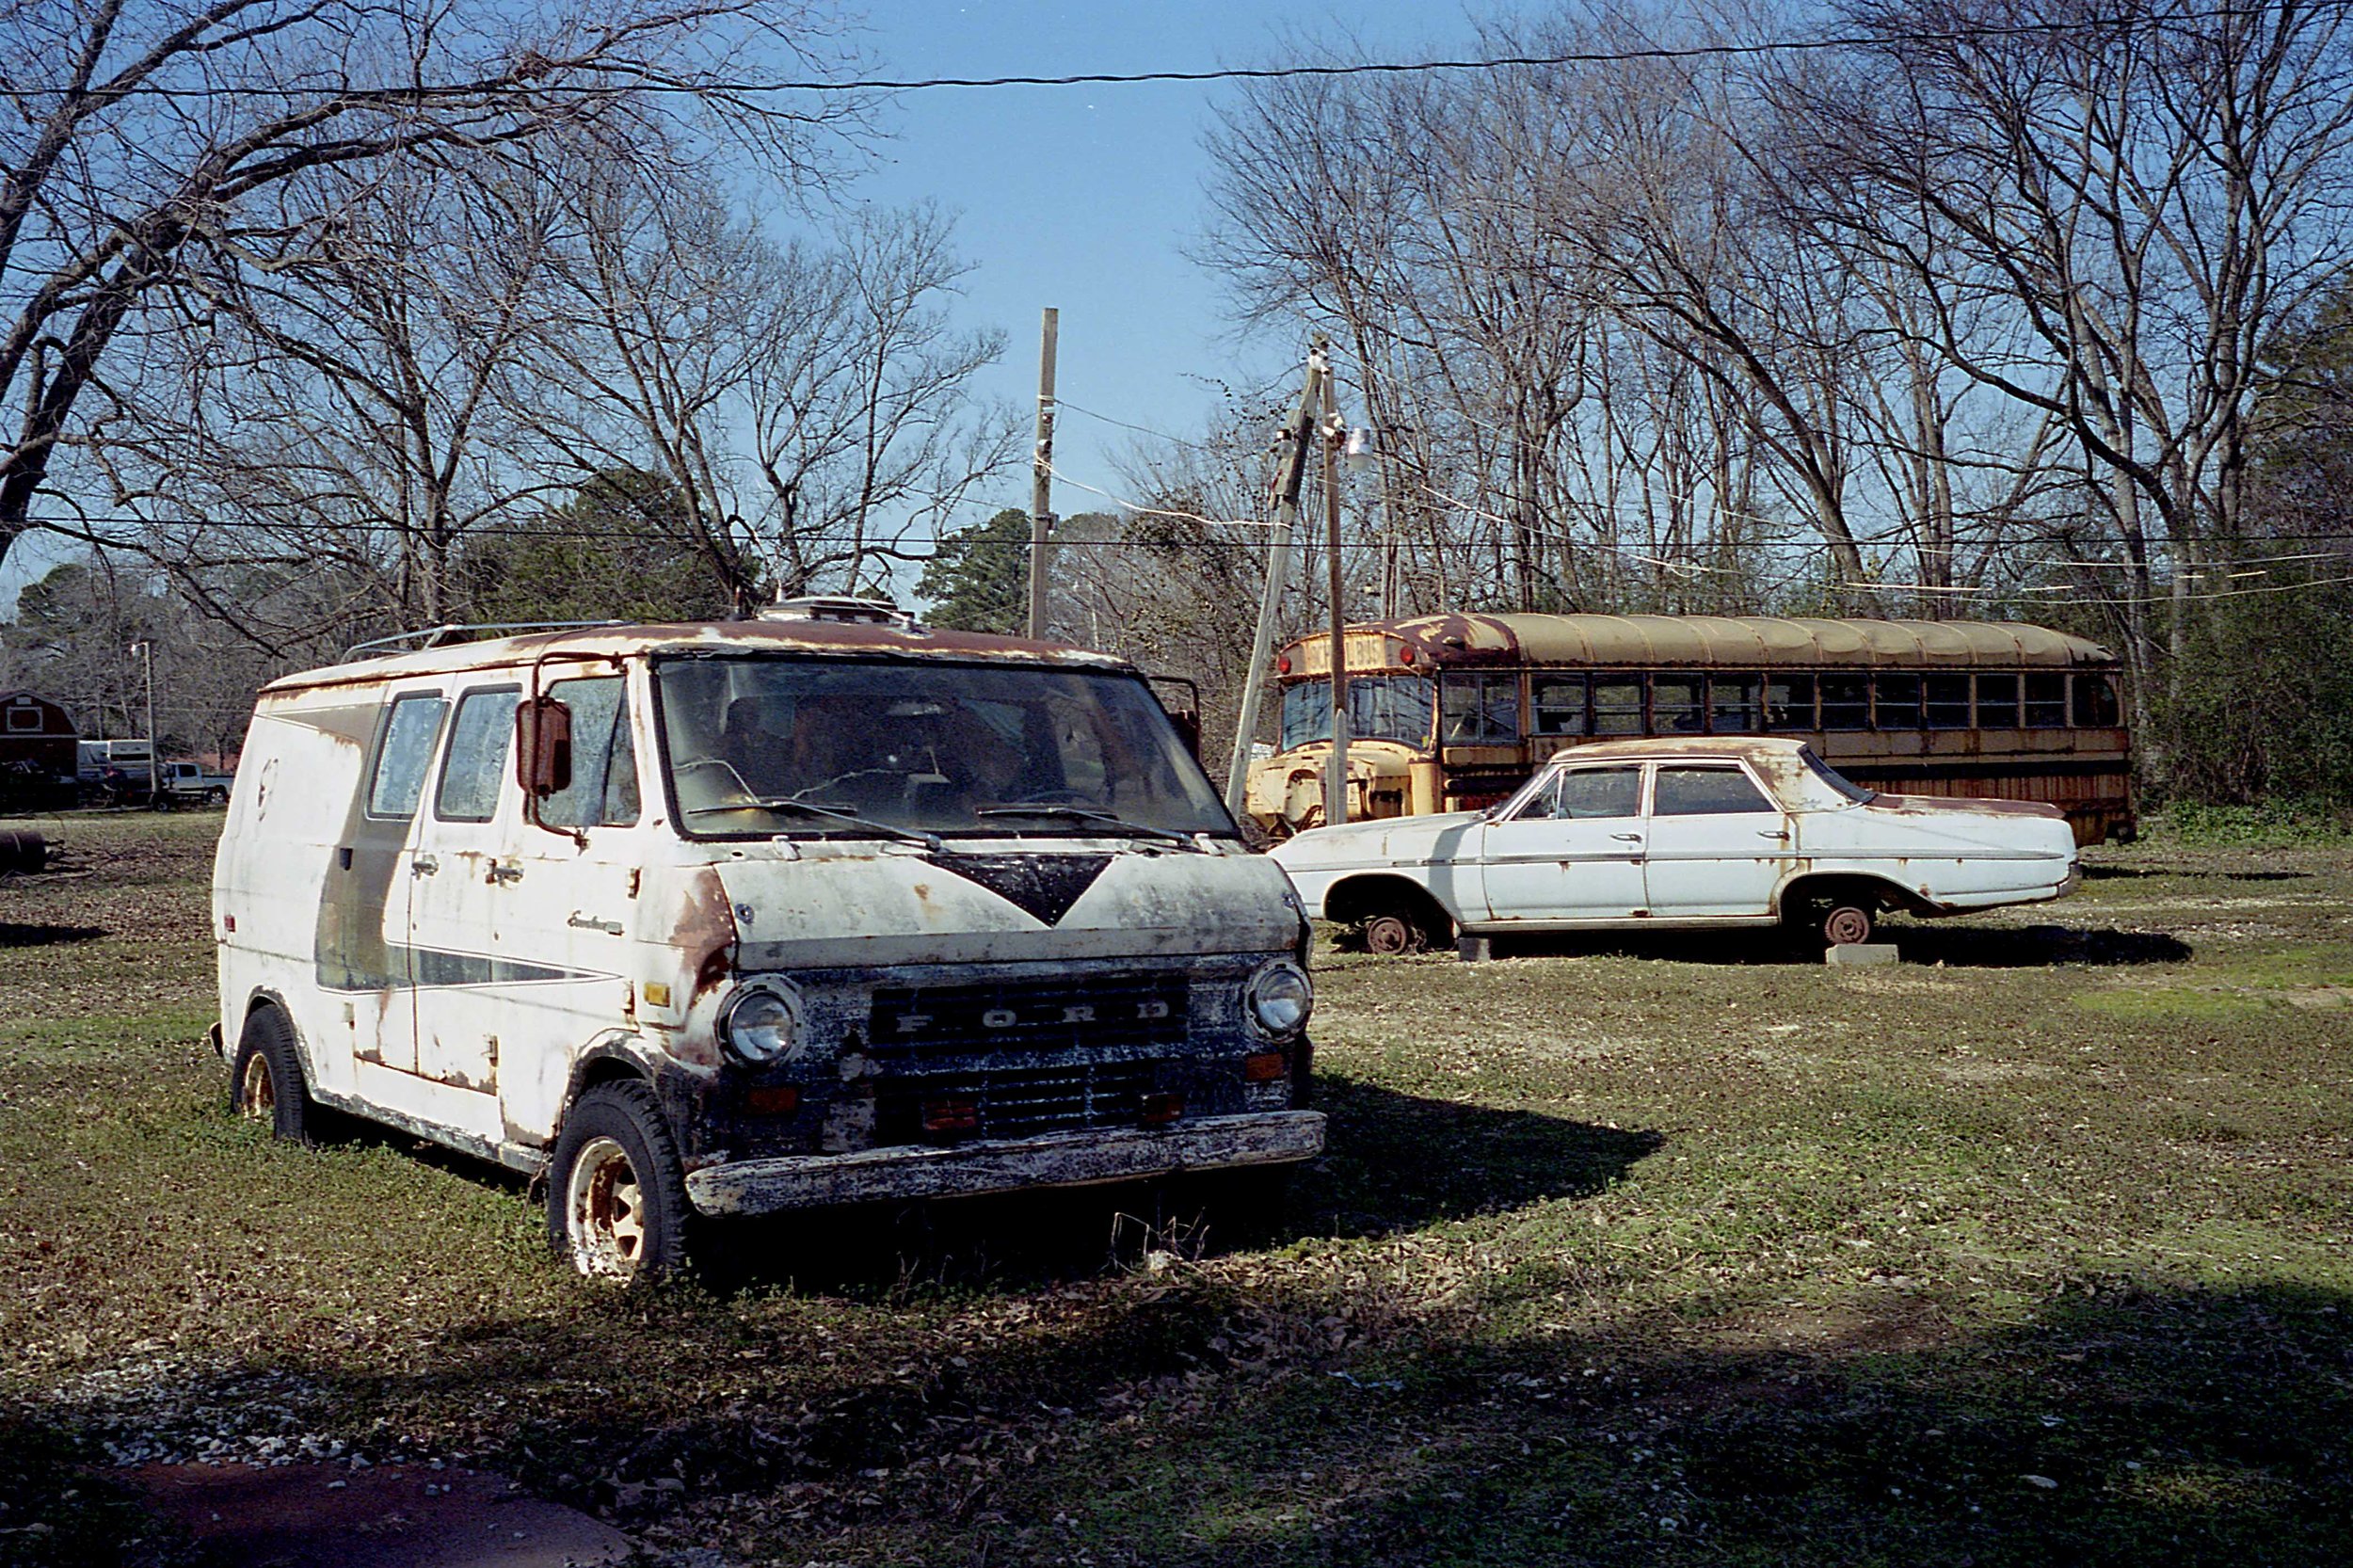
column 465, row 975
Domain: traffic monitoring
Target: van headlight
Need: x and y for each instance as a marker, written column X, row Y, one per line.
column 762, row 1023
column 1279, row 998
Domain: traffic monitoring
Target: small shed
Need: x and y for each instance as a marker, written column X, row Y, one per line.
column 39, row 753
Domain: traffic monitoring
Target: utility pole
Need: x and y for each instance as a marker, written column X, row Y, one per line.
column 146, row 650
column 1042, row 481
column 1288, row 480
column 1335, row 781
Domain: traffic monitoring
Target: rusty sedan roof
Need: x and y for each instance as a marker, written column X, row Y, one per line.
column 1733, row 641
column 840, row 638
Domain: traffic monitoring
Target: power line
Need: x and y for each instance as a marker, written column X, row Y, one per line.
column 395, row 95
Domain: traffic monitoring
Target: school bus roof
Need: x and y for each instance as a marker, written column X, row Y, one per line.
column 846, row 638
column 1731, row 641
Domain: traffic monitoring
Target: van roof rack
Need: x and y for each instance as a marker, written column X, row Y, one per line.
column 841, row 607
column 434, row 636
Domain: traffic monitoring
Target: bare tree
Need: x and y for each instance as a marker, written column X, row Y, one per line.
column 142, row 131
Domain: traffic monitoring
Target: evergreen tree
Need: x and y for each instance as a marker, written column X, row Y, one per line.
column 979, row 579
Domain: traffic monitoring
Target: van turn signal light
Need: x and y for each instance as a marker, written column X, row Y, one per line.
column 1266, row 1066
column 952, row 1116
column 774, row 1099
column 1160, row 1110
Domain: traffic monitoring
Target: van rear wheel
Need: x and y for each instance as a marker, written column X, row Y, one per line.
column 617, row 1195
column 266, row 1081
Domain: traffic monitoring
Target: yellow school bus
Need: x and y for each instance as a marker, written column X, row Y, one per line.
column 1453, row 712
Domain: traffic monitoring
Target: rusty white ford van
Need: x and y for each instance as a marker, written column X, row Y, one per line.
column 722, row 919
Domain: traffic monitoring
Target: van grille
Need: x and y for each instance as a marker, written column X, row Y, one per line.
column 1115, row 1013
column 1015, row 1102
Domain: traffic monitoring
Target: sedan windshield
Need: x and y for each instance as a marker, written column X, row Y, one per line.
column 814, row 747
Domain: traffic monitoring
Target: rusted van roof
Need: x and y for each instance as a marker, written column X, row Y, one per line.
column 753, row 636
column 1721, row 641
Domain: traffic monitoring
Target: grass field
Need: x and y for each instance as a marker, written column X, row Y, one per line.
column 2036, row 1248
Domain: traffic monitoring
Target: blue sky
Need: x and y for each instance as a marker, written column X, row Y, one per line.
column 1086, row 199
column 1083, row 199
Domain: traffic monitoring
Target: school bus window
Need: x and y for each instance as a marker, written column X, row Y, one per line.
column 1675, row 703
column 1997, row 702
column 1559, row 702
column 2095, row 702
column 403, row 756
column 1789, row 702
column 1617, row 705
column 1945, row 699
column 2046, row 701
column 1732, row 704
column 1846, row 702
column 1481, row 709
column 1898, row 702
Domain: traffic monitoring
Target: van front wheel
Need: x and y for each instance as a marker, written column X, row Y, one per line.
column 616, row 1198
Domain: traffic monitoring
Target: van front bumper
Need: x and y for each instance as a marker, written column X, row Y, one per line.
column 1055, row 1160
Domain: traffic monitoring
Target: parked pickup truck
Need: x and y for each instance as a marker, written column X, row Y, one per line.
column 182, row 782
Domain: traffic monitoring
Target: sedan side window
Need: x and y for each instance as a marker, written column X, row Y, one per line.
column 1582, row 793
column 1705, row 792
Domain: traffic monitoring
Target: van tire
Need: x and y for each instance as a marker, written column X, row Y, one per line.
column 617, row 1193
column 266, row 1081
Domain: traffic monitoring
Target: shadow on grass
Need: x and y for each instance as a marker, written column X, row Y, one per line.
column 1200, row 1420
column 1391, row 1163
column 2188, row 873
column 1918, row 941
column 2035, row 947
column 16, row 934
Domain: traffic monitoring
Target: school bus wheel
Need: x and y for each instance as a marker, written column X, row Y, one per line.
column 266, row 1081
column 617, row 1195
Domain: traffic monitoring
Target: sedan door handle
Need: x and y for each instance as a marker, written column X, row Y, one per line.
column 1628, row 838
column 1769, row 833
column 424, row 865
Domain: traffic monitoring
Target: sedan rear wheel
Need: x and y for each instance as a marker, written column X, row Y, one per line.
column 1846, row 923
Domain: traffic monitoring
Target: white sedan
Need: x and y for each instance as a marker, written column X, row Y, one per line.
column 1684, row 833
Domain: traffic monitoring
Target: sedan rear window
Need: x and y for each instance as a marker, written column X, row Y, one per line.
column 1705, row 792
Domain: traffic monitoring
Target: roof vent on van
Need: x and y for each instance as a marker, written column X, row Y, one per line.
column 843, row 608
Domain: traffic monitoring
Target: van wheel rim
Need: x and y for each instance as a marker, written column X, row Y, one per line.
column 1848, row 925
column 605, row 1207
column 257, row 1096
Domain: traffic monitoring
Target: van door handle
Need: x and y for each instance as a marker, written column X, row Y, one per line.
column 424, row 865
column 499, row 874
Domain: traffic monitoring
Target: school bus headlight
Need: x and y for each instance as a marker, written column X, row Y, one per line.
column 762, row 1023
column 1280, row 999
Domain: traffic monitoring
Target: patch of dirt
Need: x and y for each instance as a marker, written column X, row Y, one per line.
column 1993, row 1072
column 404, row 1517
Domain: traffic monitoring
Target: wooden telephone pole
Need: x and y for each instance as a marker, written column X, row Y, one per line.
column 1042, row 478
column 1334, row 781
column 1288, row 480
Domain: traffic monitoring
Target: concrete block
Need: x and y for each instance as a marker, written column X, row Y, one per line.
column 1474, row 950
column 1860, row 955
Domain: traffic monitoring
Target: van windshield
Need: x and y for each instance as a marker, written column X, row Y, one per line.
column 780, row 744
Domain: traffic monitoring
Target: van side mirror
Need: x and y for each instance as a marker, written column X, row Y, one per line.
column 543, row 748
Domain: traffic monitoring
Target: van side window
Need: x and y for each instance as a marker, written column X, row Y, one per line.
column 476, row 761
column 603, row 791
column 404, row 754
